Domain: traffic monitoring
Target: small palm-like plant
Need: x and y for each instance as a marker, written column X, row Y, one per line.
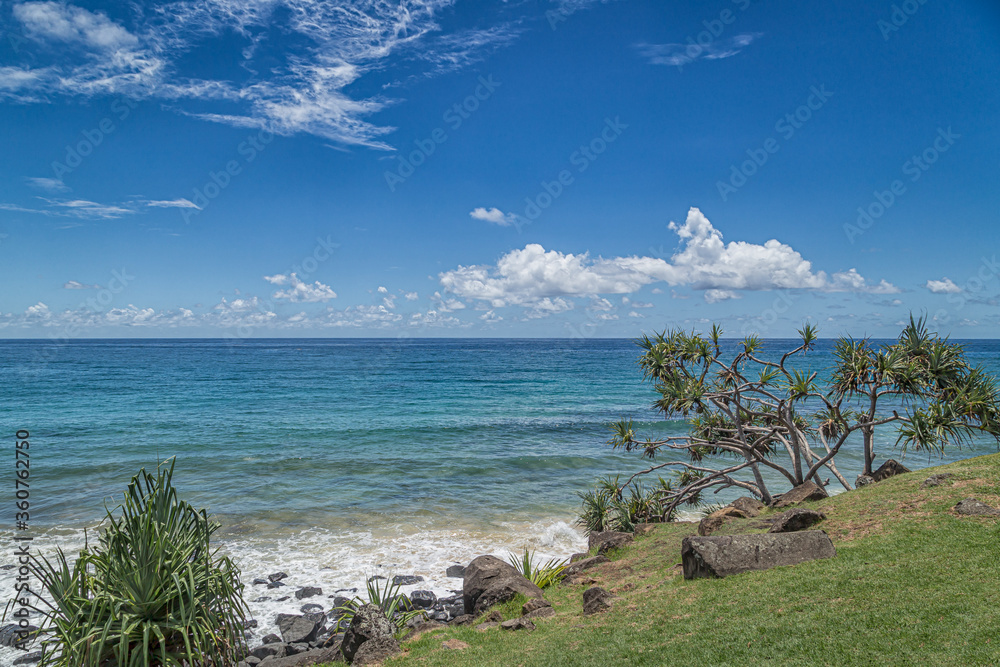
column 396, row 606
column 152, row 593
column 543, row 575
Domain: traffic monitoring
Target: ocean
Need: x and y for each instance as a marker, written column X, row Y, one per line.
column 336, row 459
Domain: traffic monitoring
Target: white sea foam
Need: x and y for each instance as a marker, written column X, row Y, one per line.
column 335, row 560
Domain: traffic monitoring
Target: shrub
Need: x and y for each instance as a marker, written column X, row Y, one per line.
column 543, row 575
column 152, row 593
column 396, row 606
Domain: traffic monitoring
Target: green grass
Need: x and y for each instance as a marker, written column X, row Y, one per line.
column 912, row 584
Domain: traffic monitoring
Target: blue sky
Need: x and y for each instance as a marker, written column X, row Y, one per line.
column 566, row 168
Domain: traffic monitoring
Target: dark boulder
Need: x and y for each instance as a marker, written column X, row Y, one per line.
column 271, row 638
column 377, row 650
column 295, row 629
column 423, row 599
column 307, row 592
column 277, row 576
column 608, row 540
column 27, row 659
column 534, row 605
column 718, row 518
column 490, row 581
column 311, row 608
column 517, row 624
column 368, row 624
column 596, row 600
column 801, row 493
column 936, row 480
column 544, row 612
column 277, row 650
column 10, row 634
column 797, row 518
column 455, row 571
column 319, row 656
column 890, row 468
column 973, row 507
column 276, row 584
column 733, row 554
column 750, row 506
column 406, row 580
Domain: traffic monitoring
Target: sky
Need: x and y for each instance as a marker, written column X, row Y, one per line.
column 546, row 168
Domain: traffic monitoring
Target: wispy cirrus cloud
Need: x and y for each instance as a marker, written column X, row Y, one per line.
column 48, row 184
column 297, row 58
column 679, row 55
column 83, row 209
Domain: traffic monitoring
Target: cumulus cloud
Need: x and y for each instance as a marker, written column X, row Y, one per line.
column 299, row 291
column 679, row 55
column 411, row 296
column 943, row 286
column 493, row 215
column 703, row 261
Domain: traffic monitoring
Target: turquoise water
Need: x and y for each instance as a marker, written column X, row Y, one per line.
column 333, row 458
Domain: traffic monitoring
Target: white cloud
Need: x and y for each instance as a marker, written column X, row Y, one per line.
column 717, row 295
column 169, row 203
column 48, row 184
column 446, row 305
column 493, row 215
column 297, row 58
column 382, row 290
column 38, row 311
column 943, row 286
column 679, row 55
column 703, row 261
column 66, row 23
column 88, row 210
column 299, row 291
column 490, row 316
column 411, row 296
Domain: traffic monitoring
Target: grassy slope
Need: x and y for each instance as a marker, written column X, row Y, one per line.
column 912, row 584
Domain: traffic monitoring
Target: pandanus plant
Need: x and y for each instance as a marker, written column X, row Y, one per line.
column 748, row 415
column 152, row 593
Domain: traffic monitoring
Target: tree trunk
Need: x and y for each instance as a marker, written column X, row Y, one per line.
column 868, row 434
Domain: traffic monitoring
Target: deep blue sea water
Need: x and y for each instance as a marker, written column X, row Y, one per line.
column 333, row 458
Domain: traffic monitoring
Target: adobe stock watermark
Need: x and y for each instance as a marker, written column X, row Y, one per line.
column 454, row 116
column 898, row 16
column 714, row 29
column 581, row 159
column 91, row 138
column 914, row 168
column 217, row 181
column 786, row 127
column 768, row 317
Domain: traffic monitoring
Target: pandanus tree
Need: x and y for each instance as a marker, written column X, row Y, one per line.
column 763, row 424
